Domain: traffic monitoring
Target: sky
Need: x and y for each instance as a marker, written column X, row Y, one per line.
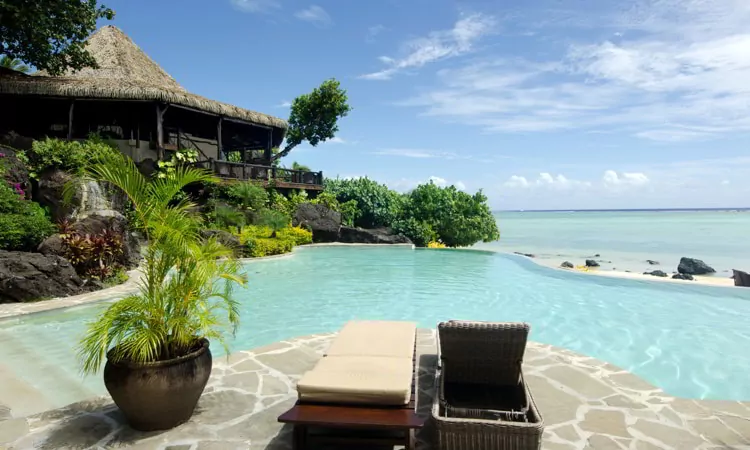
column 542, row 104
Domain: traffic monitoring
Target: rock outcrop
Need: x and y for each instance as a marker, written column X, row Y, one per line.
column 324, row 223
column 49, row 193
column 567, row 265
column 692, row 266
column 652, row 262
column 528, row 255
column 741, row 278
column 682, row 276
column 657, row 273
column 32, row 276
column 591, row 263
column 352, row 235
column 14, row 172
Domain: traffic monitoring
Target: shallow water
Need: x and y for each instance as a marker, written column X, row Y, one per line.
column 689, row 340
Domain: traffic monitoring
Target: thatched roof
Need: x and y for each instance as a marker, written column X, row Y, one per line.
column 125, row 72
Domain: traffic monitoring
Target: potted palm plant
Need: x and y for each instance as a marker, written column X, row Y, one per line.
column 154, row 344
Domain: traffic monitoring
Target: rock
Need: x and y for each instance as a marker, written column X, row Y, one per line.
column 656, row 273
column 14, row 172
column 741, row 278
column 597, row 255
column 591, row 263
column 227, row 239
column 32, row 276
column 528, row 255
column 370, row 236
column 693, row 266
column 324, row 223
column 567, row 265
column 682, row 276
column 96, row 224
column 49, row 193
column 147, row 167
column 652, row 262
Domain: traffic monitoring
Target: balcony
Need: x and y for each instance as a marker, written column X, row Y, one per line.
column 267, row 175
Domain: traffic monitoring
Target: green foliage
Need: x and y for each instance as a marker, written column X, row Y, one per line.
column 50, row 34
column 420, row 233
column 349, row 210
column 69, row 156
column 248, row 195
column 459, row 219
column 14, row 64
column 314, row 116
column 186, row 292
column 180, row 157
column 286, row 205
column 260, row 247
column 275, row 220
column 118, row 277
column 260, row 240
column 376, row 204
column 23, row 224
column 226, row 217
column 302, row 167
column 93, row 256
column 298, row 235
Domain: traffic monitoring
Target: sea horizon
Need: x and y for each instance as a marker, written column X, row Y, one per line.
column 627, row 210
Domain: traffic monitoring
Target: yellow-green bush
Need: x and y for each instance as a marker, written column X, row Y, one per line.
column 298, row 235
column 253, row 232
column 435, row 244
column 259, row 247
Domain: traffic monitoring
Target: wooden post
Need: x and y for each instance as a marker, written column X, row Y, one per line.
column 70, row 119
column 267, row 154
column 218, row 140
column 159, row 132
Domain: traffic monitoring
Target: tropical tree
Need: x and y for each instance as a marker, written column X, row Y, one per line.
column 186, row 292
column 302, row 167
column 50, row 34
column 275, row 220
column 14, row 64
column 314, row 116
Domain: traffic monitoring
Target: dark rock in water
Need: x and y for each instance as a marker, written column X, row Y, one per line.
column 591, row 263
column 32, row 276
column 693, row 266
column 352, row 235
column 597, row 255
column 741, row 278
column 567, row 265
column 528, row 255
column 324, row 223
column 652, row 262
column 682, row 276
column 656, row 273
column 96, row 224
column 227, row 239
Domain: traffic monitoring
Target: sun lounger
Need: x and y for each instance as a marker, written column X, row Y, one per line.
column 362, row 390
column 482, row 400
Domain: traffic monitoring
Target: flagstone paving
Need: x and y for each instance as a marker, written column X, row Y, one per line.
column 586, row 404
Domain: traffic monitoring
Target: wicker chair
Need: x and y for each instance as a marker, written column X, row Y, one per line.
column 482, row 400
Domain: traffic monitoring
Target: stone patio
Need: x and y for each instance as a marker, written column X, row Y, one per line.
column 585, row 403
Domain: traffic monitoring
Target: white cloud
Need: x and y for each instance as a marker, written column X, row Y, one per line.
column 373, row 32
column 682, row 65
column 315, row 15
column 611, row 178
column 460, row 185
column 339, row 140
column 545, row 180
column 725, row 182
column 517, row 181
column 438, row 181
column 436, row 46
column 256, row 6
column 417, row 153
column 284, row 104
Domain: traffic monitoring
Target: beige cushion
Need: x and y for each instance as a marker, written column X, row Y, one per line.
column 375, row 338
column 369, row 380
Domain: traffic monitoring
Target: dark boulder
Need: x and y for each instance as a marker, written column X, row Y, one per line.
column 652, row 262
column 528, row 255
column 567, row 265
column 49, row 193
column 32, row 276
column 682, row 276
column 656, row 273
column 226, row 239
column 324, row 223
column 591, row 263
column 597, row 255
column 13, row 171
column 371, row 236
column 147, row 167
column 741, row 278
column 693, row 266
column 94, row 225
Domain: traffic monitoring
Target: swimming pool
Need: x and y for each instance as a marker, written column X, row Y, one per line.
column 691, row 341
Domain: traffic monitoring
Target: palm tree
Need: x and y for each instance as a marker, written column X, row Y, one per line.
column 14, row 64
column 186, row 292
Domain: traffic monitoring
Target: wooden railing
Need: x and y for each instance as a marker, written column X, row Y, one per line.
column 267, row 174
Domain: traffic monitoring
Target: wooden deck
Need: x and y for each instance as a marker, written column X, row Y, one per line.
column 267, row 175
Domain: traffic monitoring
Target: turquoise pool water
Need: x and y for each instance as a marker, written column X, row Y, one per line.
column 692, row 341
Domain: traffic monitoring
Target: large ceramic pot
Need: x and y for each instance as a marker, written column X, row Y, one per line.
column 159, row 395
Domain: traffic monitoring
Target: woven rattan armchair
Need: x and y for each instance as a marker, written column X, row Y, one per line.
column 482, row 401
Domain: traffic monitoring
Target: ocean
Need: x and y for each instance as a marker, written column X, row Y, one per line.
column 626, row 239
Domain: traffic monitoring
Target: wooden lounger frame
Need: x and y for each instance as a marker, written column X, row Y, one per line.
column 356, row 424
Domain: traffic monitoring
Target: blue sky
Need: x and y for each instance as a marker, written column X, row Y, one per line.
column 542, row 104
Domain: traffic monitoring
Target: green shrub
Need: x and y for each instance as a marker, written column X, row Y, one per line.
column 275, row 220
column 260, row 247
column 225, row 217
column 349, row 212
column 247, row 195
column 69, row 156
column 377, row 204
column 23, row 224
column 420, row 233
column 93, row 256
column 298, row 235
